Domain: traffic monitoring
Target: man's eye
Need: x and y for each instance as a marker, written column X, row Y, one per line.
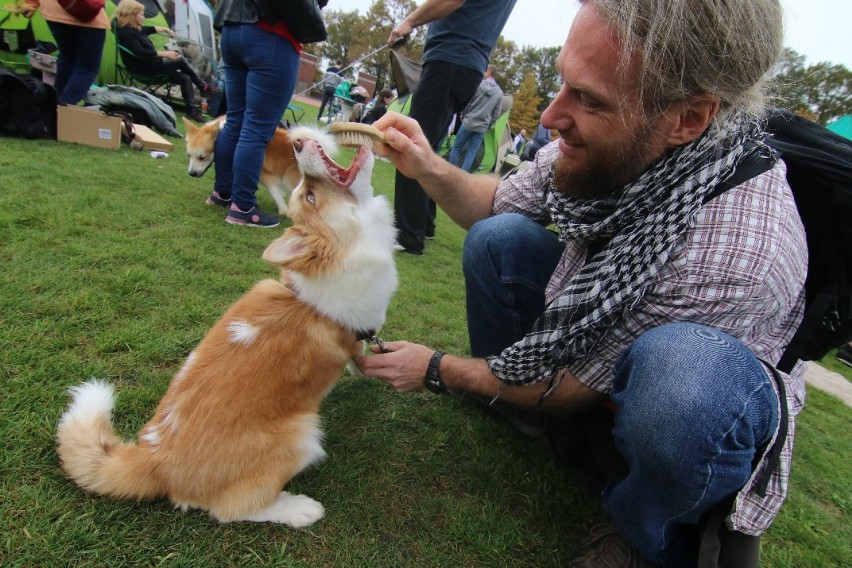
column 588, row 101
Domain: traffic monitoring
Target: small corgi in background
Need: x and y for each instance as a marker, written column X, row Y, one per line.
column 280, row 171
column 241, row 417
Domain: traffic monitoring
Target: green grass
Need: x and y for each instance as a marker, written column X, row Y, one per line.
column 112, row 267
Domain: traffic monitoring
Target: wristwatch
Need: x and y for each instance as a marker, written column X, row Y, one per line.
column 432, row 380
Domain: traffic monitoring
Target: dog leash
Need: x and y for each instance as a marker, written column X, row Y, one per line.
column 370, row 335
column 401, row 41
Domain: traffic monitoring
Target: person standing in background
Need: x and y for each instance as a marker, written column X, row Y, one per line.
column 478, row 117
column 519, row 141
column 261, row 61
column 461, row 36
column 81, row 45
column 333, row 77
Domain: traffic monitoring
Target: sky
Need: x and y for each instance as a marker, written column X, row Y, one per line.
column 821, row 30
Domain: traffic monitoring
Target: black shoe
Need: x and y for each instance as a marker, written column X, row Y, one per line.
column 208, row 90
column 398, row 247
column 844, row 354
column 194, row 114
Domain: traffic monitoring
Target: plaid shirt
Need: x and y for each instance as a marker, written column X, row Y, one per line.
column 740, row 269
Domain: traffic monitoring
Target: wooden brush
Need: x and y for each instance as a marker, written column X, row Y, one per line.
column 354, row 134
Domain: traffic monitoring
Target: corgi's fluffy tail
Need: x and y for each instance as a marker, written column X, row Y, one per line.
column 94, row 456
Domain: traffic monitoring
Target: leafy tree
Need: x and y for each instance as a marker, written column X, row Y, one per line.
column 525, row 109
column 506, row 59
column 822, row 92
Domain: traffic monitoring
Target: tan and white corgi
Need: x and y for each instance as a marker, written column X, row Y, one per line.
column 240, row 418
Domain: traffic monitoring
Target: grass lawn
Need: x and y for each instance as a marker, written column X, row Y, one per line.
column 113, row 267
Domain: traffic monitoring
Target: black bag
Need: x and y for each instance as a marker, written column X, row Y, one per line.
column 819, row 171
column 27, row 107
column 303, row 17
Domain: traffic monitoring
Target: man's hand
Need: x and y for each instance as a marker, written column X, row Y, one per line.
column 402, row 30
column 403, row 368
column 407, row 146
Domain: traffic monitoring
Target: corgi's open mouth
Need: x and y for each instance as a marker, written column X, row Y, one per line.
column 343, row 176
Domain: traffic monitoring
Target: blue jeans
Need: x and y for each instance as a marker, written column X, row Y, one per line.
column 79, row 61
column 470, row 139
column 260, row 75
column 693, row 406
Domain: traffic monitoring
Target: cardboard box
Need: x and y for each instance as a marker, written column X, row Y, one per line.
column 88, row 126
column 150, row 140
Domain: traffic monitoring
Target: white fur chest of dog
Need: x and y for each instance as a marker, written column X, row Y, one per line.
column 240, row 418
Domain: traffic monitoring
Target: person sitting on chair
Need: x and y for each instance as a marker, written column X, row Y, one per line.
column 148, row 61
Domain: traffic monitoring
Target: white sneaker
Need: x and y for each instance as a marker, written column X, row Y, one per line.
column 397, row 246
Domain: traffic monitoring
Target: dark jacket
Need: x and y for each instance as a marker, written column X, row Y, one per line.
column 377, row 112
column 144, row 60
column 236, row 12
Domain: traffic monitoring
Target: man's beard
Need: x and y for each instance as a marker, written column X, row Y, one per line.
column 608, row 169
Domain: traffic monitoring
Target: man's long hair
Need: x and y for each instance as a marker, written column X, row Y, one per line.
column 718, row 47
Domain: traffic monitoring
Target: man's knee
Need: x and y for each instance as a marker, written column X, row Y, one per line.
column 681, row 374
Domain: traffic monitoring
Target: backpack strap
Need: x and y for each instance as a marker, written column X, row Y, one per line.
column 749, row 167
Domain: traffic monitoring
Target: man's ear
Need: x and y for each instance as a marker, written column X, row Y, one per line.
column 691, row 117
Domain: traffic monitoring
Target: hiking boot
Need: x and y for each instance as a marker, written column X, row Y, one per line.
column 254, row 217
column 611, row 550
column 216, row 199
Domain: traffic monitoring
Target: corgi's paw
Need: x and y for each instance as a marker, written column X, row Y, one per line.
column 297, row 511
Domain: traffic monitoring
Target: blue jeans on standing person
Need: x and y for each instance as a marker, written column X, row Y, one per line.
column 694, row 407
column 260, row 76
column 472, row 140
column 79, row 60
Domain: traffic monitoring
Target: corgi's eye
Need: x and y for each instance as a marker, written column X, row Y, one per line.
column 310, row 198
column 202, row 157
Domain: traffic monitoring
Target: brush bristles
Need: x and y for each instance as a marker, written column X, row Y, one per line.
column 354, row 139
column 355, row 134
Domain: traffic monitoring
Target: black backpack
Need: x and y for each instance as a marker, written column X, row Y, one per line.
column 819, row 171
column 27, row 106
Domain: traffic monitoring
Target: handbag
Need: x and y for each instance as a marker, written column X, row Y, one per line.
column 83, row 10
column 303, row 17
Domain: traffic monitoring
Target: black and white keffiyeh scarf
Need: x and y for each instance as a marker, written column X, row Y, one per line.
column 643, row 220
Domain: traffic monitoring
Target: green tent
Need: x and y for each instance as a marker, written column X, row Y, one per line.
column 842, row 126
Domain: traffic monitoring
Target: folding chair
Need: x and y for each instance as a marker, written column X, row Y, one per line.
column 296, row 112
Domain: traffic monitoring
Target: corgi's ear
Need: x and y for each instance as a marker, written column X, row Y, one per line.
column 190, row 126
column 286, row 249
column 305, row 253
